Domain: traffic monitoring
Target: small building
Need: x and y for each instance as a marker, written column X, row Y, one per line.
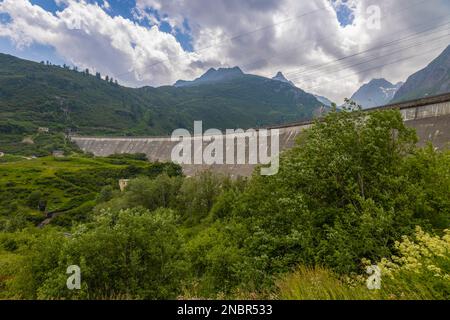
column 58, row 154
column 43, row 130
column 123, row 184
column 27, row 140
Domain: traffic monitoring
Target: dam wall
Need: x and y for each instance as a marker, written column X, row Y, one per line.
column 429, row 116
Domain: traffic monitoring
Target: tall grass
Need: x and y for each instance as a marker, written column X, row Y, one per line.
column 318, row 283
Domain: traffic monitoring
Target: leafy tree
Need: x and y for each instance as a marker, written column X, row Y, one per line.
column 106, row 194
column 216, row 258
column 428, row 174
column 34, row 199
column 123, row 254
column 342, row 194
column 160, row 192
column 198, row 195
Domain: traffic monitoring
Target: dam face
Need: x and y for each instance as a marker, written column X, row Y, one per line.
column 429, row 116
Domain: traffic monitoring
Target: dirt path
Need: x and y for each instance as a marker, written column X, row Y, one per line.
column 49, row 219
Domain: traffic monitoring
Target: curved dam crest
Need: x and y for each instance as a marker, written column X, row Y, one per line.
column 429, row 116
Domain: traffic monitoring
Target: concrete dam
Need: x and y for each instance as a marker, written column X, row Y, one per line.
column 429, row 116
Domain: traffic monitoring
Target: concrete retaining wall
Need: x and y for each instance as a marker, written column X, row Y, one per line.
column 430, row 117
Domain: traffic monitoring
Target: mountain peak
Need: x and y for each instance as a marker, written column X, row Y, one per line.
column 280, row 77
column 232, row 70
column 210, row 71
column 213, row 75
column 213, row 71
column 379, row 82
column 375, row 93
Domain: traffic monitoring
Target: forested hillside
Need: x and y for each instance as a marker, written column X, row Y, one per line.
column 34, row 95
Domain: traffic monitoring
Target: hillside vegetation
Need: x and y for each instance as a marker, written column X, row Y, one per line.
column 34, row 95
column 349, row 195
column 64, row 187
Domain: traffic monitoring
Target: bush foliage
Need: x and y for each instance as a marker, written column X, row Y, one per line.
column 352, row 190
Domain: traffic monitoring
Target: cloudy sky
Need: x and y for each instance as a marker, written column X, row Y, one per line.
column 327, row 47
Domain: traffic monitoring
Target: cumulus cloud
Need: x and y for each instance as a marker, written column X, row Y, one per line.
column 261, row 36
column 86, row 36
column 309, row 33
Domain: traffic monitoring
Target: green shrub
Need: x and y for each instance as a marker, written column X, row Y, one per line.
column 346, row 192
column 135, row 252
column 420, row 269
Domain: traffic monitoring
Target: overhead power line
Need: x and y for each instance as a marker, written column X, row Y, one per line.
column 385, row 16
column 378, row 66
column 235, row 37
column 378, row 47
column 341, row 68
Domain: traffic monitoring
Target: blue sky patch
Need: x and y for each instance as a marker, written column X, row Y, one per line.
column 123, row 8
column 4, row 18
column 35, row 52
column 48, row 5
column 344, row 12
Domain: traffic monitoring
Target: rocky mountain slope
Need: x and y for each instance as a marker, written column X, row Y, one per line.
column 432, row 80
